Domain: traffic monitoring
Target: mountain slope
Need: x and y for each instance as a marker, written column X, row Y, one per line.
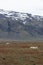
column 20, row 26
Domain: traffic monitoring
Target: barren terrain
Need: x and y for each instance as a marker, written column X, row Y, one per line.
column 21, row 53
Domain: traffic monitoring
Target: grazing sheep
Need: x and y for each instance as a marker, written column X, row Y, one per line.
column 33, row 47
column 7, row 43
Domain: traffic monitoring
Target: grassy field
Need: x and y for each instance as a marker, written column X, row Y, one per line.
column 20, row 53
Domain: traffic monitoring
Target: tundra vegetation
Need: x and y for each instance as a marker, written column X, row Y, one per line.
column 21, row 53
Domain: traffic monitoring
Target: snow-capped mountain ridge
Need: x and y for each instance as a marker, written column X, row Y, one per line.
column 19, row 15
column 22, row 26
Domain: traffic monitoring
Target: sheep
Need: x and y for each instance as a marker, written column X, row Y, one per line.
column 33, row 47
column 7, row 43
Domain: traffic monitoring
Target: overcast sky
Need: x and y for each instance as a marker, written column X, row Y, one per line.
column 30, row 6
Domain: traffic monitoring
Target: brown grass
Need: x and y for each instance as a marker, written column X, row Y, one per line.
column 19, row 53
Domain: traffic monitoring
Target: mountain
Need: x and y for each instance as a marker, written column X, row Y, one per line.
column 20, row 26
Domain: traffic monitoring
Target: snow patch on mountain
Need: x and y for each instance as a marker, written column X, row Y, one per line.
column 24, row 22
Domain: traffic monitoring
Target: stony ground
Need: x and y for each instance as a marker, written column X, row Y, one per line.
column 21, row 53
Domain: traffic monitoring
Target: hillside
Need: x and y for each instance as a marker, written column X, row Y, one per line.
column 20, row 26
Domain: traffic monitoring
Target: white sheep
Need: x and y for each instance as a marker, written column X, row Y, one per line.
column 33, row 47
column 7, row 43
